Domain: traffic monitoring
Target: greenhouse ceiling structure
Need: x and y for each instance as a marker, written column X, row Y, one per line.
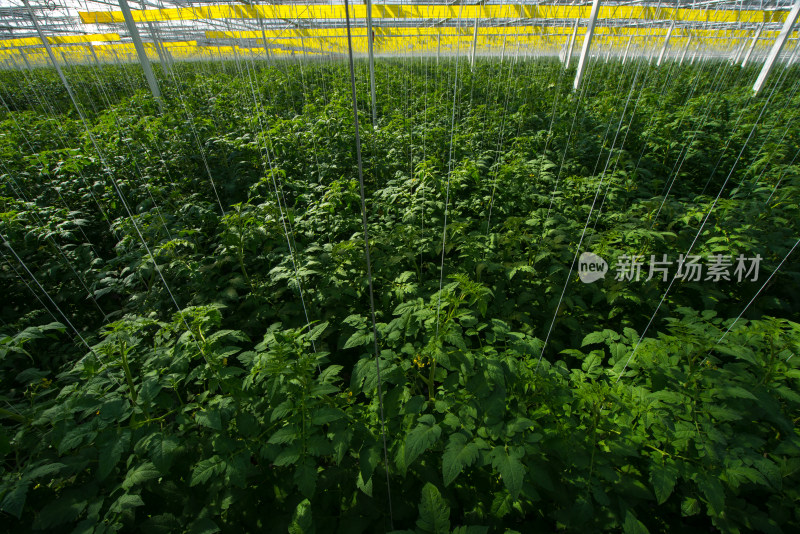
column 88, row 30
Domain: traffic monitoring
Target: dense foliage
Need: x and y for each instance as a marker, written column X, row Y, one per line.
column 186, row 340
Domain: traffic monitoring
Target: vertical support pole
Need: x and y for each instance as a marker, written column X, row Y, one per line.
column 666, row 44
column 568, row 59
column 438, row 46
column 137, row 44
column 587, row 41
column 503, row 53
column 752, row 45
column 474, row 43
column 627, row 47
column 777, row 47
column 371, row 64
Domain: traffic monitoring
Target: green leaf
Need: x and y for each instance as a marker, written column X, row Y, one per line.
column 162, row 449
column 592, row 365
column 161, row 524
column 713, row 492
column 14, row 501
column 663, row 478
column 473, row 529
column 281, row 410
column 690, row 507
column 65, row 509
column 510, row 468
column 316, row 331
column 326, row 414
column 45, row 470
column 111, row 454
column 72, row 439
column 421, row 438
column 284, row 435
column 735, row 391
column 633, row 525
column 366, row 487
column 126, row 502
column 302, row 520
column 594, row 337
column 204, row 525
column 434, row 514
column 502, row 504
column 358, row 339
column 210, row 419
column 236, row 469
column 305, row 476
column 140, row 474
column 287, row 456
column 341, row 443
column 206, row 469
column 460, row 453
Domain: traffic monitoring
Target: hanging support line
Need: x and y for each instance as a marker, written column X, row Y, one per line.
column 110, row 174
column 369, row 262
column 447, row 188
column 699, row 231
column 370, row 40
column 754, row 297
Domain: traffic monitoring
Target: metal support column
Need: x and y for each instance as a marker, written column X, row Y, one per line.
column 137, row 43
column 568, row 59
column 587, row 41
column 739, row 51
column 752, row 45
column 686, row 48
column 777, row 47
column 666, row 44
column 474, row 44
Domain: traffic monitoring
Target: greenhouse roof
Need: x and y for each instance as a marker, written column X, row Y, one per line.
column 81, row 29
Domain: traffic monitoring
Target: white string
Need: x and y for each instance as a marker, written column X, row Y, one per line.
column 699, row 231
column 754, row 298
column 447, row 188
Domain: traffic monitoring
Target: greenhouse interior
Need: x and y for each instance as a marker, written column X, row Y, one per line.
column 383, row 266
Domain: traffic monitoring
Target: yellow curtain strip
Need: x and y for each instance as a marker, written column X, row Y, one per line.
column 543, row 42
column 61, row 39
column 513, row 32
column 447, row 43
column 412, row 11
